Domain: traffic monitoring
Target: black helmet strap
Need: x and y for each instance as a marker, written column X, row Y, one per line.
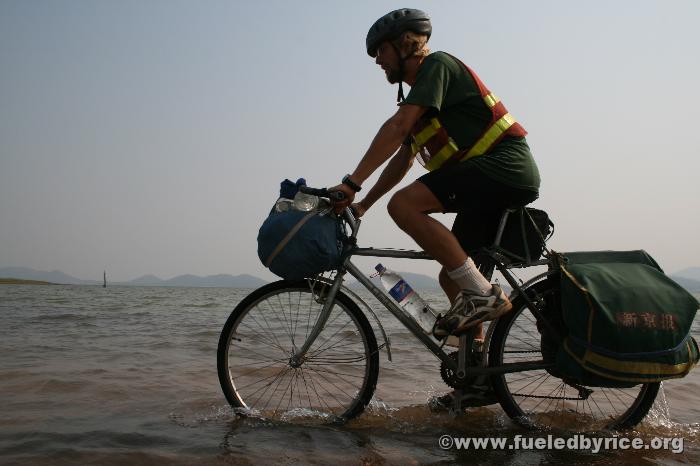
column 399, row 97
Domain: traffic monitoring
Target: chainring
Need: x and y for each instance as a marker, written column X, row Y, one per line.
column 450, row 377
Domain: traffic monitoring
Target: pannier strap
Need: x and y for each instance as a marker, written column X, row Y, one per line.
column 288, row 237
column 584, row 290
column 630, row 356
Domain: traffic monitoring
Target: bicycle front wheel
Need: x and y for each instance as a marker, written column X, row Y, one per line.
column 540, row 397
column 336, row 379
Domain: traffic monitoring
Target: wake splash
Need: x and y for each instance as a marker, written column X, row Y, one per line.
column 381, row 417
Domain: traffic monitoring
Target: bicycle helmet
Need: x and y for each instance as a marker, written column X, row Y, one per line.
column 392, row 24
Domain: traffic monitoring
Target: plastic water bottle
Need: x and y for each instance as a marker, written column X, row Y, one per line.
column 305, row 202
column 407, row 298
column 283, row 204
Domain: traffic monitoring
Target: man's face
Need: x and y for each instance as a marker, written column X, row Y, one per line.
column 389, row 61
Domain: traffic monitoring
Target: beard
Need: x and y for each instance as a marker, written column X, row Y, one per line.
column 393, row 76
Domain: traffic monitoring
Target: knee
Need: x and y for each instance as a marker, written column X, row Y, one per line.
column 397, row 207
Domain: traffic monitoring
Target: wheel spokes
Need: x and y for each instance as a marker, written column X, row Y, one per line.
column 543, row 397
column 328, row 379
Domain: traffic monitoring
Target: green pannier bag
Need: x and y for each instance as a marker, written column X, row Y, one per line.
column 626, row 321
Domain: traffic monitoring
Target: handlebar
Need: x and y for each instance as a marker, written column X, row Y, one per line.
column 323, row 192
column 348, row 213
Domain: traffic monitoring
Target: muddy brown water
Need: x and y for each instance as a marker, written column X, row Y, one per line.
column 127, row 375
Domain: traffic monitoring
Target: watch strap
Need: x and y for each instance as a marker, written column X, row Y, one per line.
column 348, row 182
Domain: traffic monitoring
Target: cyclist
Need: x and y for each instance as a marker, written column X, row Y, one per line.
column 478, row 160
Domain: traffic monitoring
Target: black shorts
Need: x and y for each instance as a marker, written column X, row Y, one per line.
column 478, row 200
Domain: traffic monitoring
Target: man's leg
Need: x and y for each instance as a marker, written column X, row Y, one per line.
column 410, row 208
column 478, row 300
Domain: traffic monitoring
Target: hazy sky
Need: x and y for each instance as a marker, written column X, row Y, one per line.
column 151, row 136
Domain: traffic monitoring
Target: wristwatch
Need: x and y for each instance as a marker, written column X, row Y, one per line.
column 354, row 186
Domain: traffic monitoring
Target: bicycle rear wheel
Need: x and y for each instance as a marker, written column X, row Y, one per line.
column 335, row 381
column 539, row 398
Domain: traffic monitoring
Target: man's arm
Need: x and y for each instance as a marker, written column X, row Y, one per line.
column 394, row 172
column 388, row 139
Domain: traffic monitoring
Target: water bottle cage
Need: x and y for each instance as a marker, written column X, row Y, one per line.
column 432, row 330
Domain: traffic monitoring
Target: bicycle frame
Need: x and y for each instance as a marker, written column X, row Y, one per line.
column 459, row 365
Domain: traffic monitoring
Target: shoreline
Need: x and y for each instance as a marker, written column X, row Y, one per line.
column 17, row 281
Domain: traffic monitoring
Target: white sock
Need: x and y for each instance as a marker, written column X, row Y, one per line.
column 468, row 277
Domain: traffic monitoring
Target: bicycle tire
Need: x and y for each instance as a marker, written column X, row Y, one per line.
column 516, row 338
column 259, row 337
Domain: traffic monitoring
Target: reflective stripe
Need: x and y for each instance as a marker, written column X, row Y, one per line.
column 646, row 368
column 447, row 151
column 491, row 100
column 491, row 136
column 428, row 132
column 433, row 136
column 653, row 371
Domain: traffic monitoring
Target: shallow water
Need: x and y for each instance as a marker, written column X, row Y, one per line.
column 127, row 375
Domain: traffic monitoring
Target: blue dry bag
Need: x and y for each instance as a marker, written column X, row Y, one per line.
column 296, row 244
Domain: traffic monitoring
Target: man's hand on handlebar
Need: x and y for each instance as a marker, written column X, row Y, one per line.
column 349, row 196
column 341, row 196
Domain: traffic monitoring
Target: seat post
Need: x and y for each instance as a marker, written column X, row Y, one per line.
column 502, row 226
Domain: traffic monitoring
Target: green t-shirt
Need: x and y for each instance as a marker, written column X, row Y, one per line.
column 448, row 89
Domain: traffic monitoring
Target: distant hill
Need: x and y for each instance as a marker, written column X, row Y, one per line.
column 56, row 276
column 147, row 280
column 221, row 280
column 688, row 283
column 416, row 280
column 691, row 272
